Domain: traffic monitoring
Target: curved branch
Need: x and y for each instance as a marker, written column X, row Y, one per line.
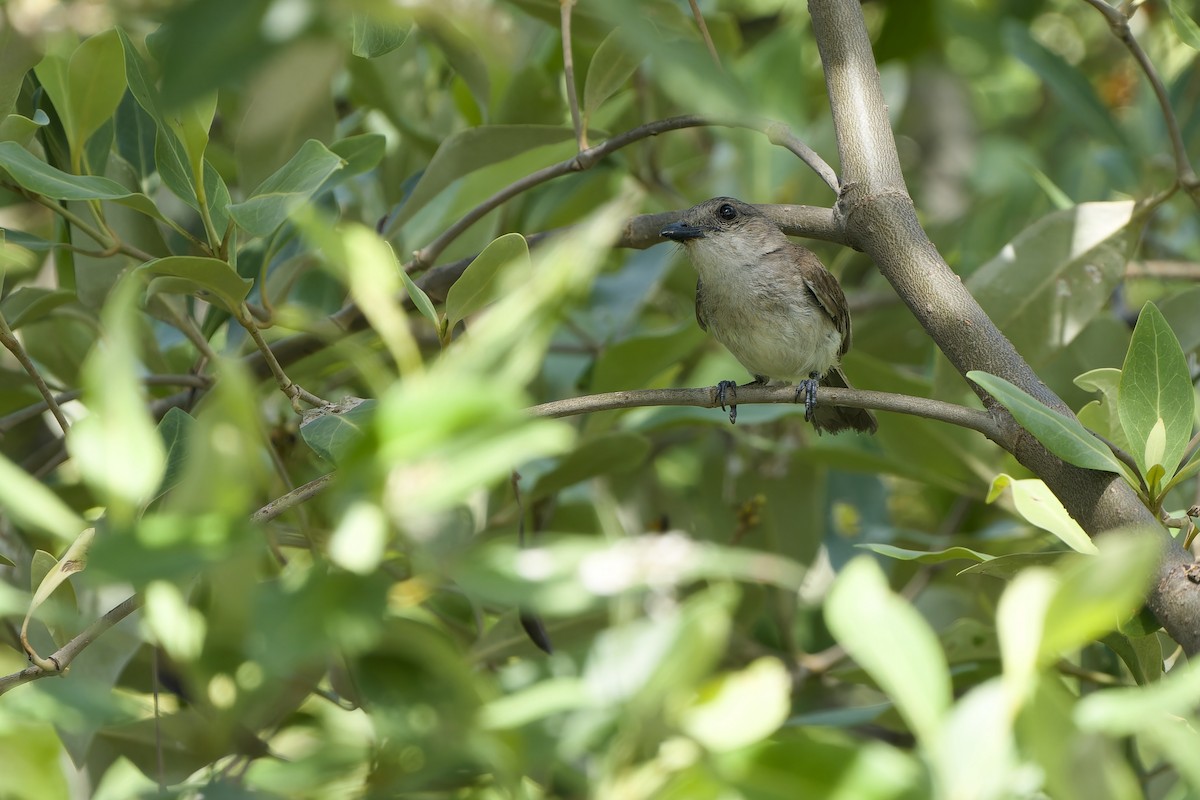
column 293, row 498
column 776, row 132
column 67, row 653
column 706, row 397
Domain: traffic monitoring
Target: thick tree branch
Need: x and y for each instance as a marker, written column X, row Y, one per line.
column 879, row 217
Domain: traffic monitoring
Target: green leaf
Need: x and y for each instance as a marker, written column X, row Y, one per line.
column 419, row 298
column 608, row 454
column 890, row 640
column 612, row 65
column 1186, row 27
column 470, row 150
column 29, row 503
column 32, row 303
column 1063, row 436
column 15, row 128
column 211, row 277
column 1037, row 505
column 359, row 153
column 1005, row 567
column 1056, row 275
column 18, row 55
column 74, row 560
column 375, row 37
column 288, row 188
column 926, row 556
column 1156, row 400
column 40, row 178
column 1142, row 654
column 333, row 433
column 476, row 287
column 175, row 428
column 95, row 85
column 1103, row 416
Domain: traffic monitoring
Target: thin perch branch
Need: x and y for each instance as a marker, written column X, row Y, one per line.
column 67, row 653
column 13, row 345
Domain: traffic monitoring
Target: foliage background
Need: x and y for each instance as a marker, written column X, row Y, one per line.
column 368, row 641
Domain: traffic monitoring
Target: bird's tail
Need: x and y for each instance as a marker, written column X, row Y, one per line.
column 835, row 419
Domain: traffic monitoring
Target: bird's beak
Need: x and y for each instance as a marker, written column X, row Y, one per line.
column 680, row 232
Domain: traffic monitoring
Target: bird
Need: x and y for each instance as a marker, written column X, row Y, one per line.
column 772, row 304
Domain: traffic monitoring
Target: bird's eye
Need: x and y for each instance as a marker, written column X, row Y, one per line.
column 727, row 212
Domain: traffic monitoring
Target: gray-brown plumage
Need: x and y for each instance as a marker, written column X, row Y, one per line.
column 771, row 302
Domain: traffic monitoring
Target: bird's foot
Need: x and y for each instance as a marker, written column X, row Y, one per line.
column 723, row 389
column 808, row 387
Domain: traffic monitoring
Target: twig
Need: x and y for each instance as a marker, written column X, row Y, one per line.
column 423, row 259
column 13, row 345
column 1119, row 24
column 293, row 498
column 565, row 7
column 67, row 653
column 294, row 391
column 9, row 421
column 708, row 42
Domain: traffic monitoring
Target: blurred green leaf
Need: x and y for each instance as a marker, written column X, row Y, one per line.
column 1048, row 282
column 31, row 504
column 1124, row 711
column 1185, row 27
column 40, row 178
column 292, row 185
column 477, row 285
column 611, row 66
column 635, row 362
column 1062, row 435
column 890, row 640
column 210, row 277
column 473, row 149
column 334, row 433
column 1038, row 506
column 375, row 36
column 1070, row 85
column 1156, row 399
column 607, row 454
column 115, row 447
column 1009, row 565
column 1141, row 654
column 737, row 709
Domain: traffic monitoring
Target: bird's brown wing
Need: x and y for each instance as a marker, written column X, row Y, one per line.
column 699, row 310
column 828, row 293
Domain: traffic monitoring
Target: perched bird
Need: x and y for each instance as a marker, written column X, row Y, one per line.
column 772, row 303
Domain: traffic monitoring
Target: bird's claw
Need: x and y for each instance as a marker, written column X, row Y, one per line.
column 808, row 387
column 722, row 389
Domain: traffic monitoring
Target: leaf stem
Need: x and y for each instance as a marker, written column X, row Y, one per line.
column 13, row 345
column 564, row 7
